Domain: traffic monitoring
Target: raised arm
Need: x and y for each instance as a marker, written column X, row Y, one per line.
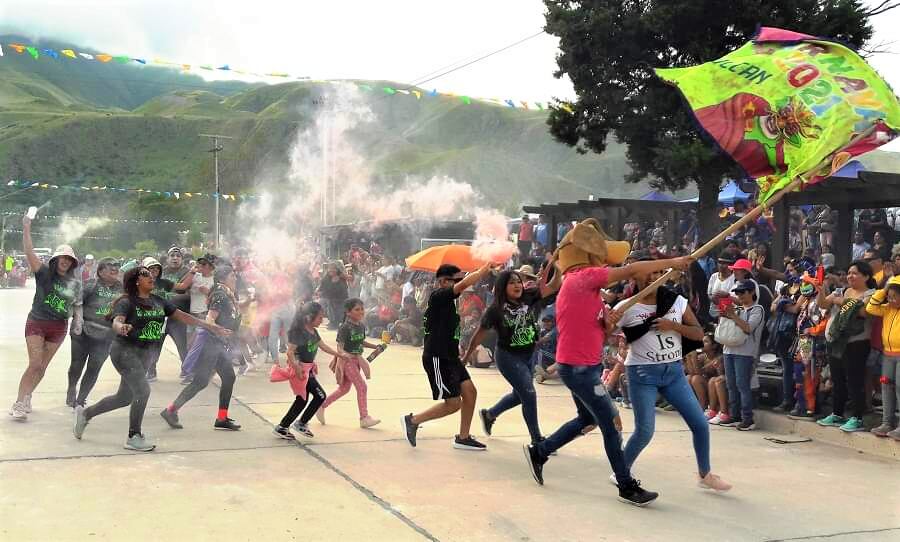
column 33, row 261
column 635, row 269
column 472, row 279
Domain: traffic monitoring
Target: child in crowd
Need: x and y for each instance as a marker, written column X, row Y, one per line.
column 614, row 364
column 349, row 365
column 708, row 377
column 301, row 370
column 886, row 303
column 546, row 350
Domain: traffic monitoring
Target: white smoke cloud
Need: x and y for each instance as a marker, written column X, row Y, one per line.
column 72, row 229
column 329, row 181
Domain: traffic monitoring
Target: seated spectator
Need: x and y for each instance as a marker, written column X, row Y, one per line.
column 546, row 349
column 408, row 329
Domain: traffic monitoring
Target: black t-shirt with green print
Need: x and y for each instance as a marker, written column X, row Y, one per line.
column 98, row 298
column 54, row 296
column 307, row 343
column 146, row 319
column 516, row 323
column 441, row 324
column 351, row 337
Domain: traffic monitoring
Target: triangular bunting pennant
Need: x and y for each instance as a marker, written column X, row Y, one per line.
column 417, row 94
column 68, row 52
column 17, row 47
column 86, row 56
column 33, row 52
column 103, row 58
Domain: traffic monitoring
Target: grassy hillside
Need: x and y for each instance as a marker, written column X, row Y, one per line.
column 126, row 125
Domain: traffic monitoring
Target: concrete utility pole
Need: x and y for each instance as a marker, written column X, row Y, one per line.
column 216, row 196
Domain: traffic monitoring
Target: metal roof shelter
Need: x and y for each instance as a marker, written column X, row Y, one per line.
column 614, row 213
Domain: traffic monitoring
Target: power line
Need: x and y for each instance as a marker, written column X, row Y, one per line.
column 479, row 59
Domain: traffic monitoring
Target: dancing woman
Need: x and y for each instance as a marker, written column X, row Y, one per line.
column 138, row 318
column 57, row 292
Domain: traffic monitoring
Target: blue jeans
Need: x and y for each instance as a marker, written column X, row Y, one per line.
column 595, row 407
column 738, row 372
column 644, row 383
column 517, row 369
column 279, row 322
column 787, row 376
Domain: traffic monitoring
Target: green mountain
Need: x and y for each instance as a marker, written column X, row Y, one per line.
column 71, row 122
column 65, row 120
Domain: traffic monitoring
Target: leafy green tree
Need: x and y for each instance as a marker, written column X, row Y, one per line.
column 608, row 49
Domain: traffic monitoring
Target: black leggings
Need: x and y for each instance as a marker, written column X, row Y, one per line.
column 214, row 358
column 131, row 361
column 316, row 396
column 91, row 352
column 848, row 375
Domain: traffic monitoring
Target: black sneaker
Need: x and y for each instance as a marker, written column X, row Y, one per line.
column 283, row 433
column 227, row 425
column 468, row 443
column 783, row 407
column 633, row 493
column 302, row 428
column 535, row 462
column 171, row 419
column 731, row 423
column 409, row 429
column 802, row 415
column 746, row 426
column 487, row 422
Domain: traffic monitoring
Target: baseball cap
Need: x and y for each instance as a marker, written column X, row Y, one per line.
column 743, row 264
column 174, row 250
column 744, row 286
column 207, row 258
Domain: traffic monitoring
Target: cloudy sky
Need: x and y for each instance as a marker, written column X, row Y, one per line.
column 398, row 40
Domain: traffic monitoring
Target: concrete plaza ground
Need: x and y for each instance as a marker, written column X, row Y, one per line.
column 354, row 484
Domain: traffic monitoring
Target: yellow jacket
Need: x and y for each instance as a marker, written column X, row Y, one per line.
column 890, row 326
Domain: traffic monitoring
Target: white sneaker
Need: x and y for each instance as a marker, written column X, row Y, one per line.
column 81, row 422
column 320, row 415
column 368, row 422
column 714, row 482
column 139, row 444
column 27, row 402
column 18, row 412
column 715, row 420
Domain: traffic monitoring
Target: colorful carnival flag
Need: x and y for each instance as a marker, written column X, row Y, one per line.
column 786, row 102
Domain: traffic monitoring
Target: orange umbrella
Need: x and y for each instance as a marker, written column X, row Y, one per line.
column 432, row 258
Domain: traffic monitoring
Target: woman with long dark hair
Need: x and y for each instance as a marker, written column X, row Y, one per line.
column 515, row 313
column 137, row 318
column 216, row 355
column 90, row 348
column 847, row 344
column 57, row 292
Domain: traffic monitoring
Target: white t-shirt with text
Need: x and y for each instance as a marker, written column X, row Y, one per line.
column 654, row 346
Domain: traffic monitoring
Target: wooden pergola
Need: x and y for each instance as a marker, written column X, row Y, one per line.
column 871, row 190
column 614, row 213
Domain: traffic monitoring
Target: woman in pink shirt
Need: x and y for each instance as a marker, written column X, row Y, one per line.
column 579, row 316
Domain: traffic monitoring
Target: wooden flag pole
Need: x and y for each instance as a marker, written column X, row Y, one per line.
column 751, row 216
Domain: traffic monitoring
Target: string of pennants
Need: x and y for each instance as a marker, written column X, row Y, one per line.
column 138, row 191
column 48, row 234
column 63, row 54
column 69, row 54
column 118, row 220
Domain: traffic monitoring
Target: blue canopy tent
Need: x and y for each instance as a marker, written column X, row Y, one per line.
column 729, row 194
column 656, row 195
